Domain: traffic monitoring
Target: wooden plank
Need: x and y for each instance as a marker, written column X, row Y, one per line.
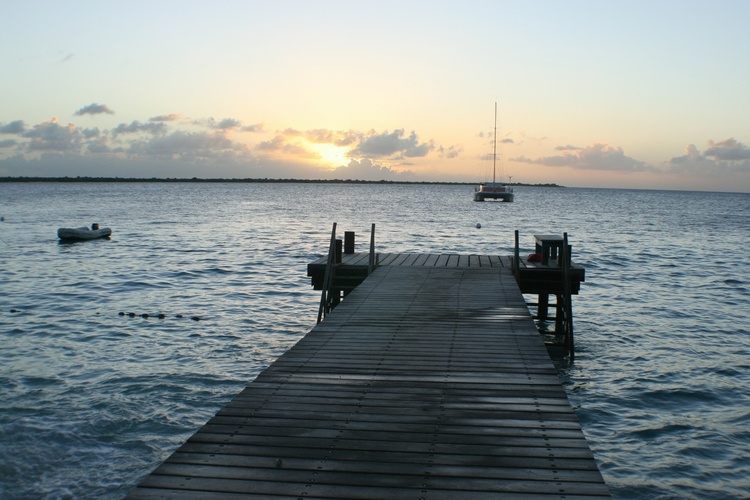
column 421, row 260
column 297, row 463
column 431, row 260
column 400, row 259
column 355, row 259
column 385, row 259
column 410, row 259
column 427, row 381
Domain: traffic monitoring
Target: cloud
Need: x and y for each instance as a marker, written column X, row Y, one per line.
column 99, row 145
column 51, row 136
column 109, row 165
column 450, row 151
column 94, row 109
column 722, row 156
column 52, row 148
column 16, row 127
column 90, row 133
column 366, row 170
column 692, row 161
column 292, row 132
column 275, row 144
column 728, row 150
column 257, row 127
column 503, row 140
column 228, row 123
column 135, row 127
column 166, row 118
column 189, row 146
column 388, row 144
column 163, row 139
column 336, row 137
column 419, row 150
column 279, row 144
column 135, row 141
column 594, row 157
column 225, row 124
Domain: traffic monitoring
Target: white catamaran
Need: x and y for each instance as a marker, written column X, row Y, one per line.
column 494, row 190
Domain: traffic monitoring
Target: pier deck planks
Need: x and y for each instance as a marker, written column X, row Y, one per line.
column 425, row 382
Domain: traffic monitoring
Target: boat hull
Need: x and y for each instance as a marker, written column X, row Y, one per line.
column 82, row 233
column 478, row 196
column 493, row 192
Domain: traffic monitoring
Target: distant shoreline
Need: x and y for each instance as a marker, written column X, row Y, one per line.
column 249, row 180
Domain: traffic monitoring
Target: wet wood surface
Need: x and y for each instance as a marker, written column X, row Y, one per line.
column 425, row 382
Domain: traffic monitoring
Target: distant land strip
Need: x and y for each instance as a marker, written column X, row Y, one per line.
column 248, row 180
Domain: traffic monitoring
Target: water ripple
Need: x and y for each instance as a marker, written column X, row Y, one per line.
column 90, row 401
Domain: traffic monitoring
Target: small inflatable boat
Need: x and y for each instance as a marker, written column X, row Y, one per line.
column 83, row 233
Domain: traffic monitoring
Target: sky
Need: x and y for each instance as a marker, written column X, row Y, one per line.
column 609, row 93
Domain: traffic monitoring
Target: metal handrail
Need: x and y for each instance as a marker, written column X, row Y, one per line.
column 372, row 262
column 324, row 294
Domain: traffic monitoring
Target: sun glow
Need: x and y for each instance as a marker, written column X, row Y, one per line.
column 330, row 155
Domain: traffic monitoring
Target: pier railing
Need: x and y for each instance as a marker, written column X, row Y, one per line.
column 339, row 280
column 325, row 304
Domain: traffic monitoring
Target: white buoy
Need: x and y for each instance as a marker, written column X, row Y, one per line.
column 479, row 226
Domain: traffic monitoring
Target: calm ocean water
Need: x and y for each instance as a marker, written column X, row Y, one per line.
column 91, row 400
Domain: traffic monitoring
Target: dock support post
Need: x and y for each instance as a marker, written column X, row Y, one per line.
column 348, row 242
column 567, row 297
column 372, row 262
column 516, row 259
column 337, row 259
column 542, row 306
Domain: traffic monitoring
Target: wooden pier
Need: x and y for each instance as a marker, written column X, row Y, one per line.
column 548, row 272
column 428, row 381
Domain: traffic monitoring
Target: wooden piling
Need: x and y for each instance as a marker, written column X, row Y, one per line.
column 349, row 242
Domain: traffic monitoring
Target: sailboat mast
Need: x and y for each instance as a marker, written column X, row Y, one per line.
column 494, row 145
